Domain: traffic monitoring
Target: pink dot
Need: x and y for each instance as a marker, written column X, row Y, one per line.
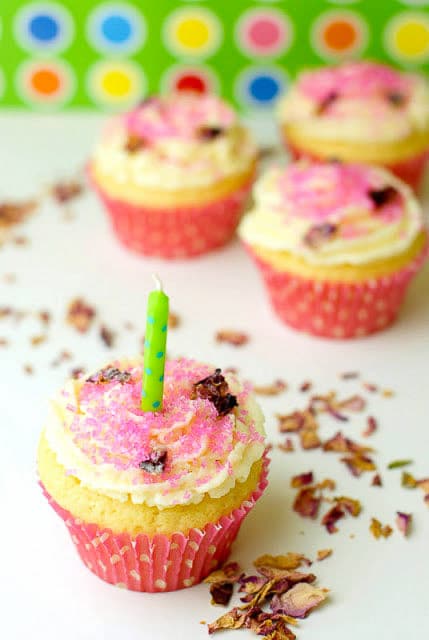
column 264, row 33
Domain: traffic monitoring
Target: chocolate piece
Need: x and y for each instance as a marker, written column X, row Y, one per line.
column 156, row 461
column 396, row 98
column 215, row 389
column 320, row 233
column 110, row 374
column 380, row 197
column 327, row 102
column 134, row 143
column 208, row 133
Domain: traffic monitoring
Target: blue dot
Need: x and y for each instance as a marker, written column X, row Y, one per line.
column 161, row 378
column 151, row 320
column 164, row 328
column 156, row 404
column 147, row 344
column 44, row 28
column 144, row 394
column 159, row 354
column 264, row 88
column 148, row 371
column 116, row 29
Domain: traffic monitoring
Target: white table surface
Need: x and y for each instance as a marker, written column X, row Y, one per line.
column 379, row 588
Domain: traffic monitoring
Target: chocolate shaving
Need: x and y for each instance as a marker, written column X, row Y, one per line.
column 134, row 143
column 208, row 133
column 155, row 462
column 215, row 389
column 381, row 197
column 110, row 374
column 319, row 234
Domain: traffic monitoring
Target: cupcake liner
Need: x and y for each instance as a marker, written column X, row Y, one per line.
column 179, row 232
column 337, row 309
column 159, row 562
column 410, row 171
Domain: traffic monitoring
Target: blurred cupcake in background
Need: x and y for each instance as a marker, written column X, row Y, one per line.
column 359, row 112
column 337, row 245
column 174, row 174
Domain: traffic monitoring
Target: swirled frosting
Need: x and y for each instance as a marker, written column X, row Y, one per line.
column 100, row 435
column 332, row 214
column 357, row 101
column 178, row 141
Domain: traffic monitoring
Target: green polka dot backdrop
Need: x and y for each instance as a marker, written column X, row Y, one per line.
column 90, row 53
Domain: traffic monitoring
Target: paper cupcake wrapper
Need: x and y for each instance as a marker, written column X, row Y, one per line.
column 337, row 309
column 410, row 171
column 180, row 232
column 160, row 562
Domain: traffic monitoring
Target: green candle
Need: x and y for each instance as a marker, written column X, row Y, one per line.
column 154, row 349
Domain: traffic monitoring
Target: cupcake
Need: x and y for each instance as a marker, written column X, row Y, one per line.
column 337, row 245
column 359, row 112
column 174, row 174
column 153, row 500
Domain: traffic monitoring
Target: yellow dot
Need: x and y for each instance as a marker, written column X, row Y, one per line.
column 193, row 33
column 412, row 38
column 116, row 83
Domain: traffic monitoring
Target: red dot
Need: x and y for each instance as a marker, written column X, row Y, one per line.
column 191, row 82
column 264, row 33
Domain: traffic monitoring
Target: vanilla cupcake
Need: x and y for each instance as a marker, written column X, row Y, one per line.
column 153, row 500
column 359, row 112
column 337, row 245
column 174, row 174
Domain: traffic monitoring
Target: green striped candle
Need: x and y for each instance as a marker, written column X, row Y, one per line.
column 154, row 349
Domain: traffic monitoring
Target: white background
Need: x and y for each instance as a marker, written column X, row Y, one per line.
column 378, row 588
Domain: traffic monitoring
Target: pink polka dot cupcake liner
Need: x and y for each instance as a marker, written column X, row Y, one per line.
column 160, row 562
column 410, row 171
column 336, row 309
column 181, row 232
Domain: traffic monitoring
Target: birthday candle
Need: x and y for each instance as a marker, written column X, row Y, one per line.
column 154, row 349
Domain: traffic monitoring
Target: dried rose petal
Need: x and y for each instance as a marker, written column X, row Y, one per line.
column 403, row 522
column 215, row 389
column 378, row 530
column 107, row 336
column 287, row 446
column 77, row 372
column 326, row 102
column 234, row 619
column 423, row 484
column 323, row 553
column 318, row 234
column 340, row 444
column 327, row 483
column 80, row 315
column 173, row 320
column 349, row 375
column 397, row 464
column 230, row 572
column 354, row 403
column 309, row 439
column 358, row 464
column 38, row 340
column 12, row 213
column 305, row 386
column 64, row 191
column 396, row 98
column 274, row 389
column 109, row 374
column 290, row 561
column 387, row 393
column 408, row 481
column 4, row 342
column 234, row 338
column 369, row 386
column 134, row 143
column 376, row 481
column 44, row 317
column 301, row 480
column 28, row 369
column 221, row 593
column 353, row 507
column 299, row 600
column 381, row 197
column 371, row 427
column 330, row 519
column 251, row 585
column 208, row 133
column 307, row 503
column 293, row 422
column 155, row 462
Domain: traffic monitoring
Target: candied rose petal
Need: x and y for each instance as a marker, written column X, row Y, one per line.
column 299, row 600
column 403, row 522
column 215, row 389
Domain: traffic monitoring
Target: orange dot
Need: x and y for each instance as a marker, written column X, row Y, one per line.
column 340, row 35
column 45, row 81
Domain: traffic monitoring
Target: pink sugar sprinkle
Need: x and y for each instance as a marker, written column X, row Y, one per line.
column 178, row 116
column 111, row 428
column 354, row 80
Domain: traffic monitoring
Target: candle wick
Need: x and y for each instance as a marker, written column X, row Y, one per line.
column 158, row 282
